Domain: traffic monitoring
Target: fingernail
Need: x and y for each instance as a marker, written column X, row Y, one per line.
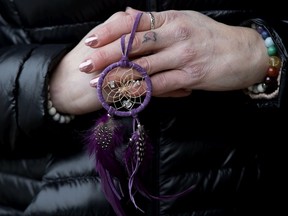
column 86, row 66
column 91, row 40
column 94, row 82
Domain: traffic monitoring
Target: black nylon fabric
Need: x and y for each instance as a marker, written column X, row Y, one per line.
column 230, row 147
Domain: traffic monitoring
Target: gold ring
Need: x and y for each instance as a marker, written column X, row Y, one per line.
column 152, row 21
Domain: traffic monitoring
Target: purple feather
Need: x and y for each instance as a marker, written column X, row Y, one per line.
column 138, row 155
column 114, row 161
column 103, row 141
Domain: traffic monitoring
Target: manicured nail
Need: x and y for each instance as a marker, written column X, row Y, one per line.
column 91, row 40
column 94, row 82
column 128, row 8
column 86, row 66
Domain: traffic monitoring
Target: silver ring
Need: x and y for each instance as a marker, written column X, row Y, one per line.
column 152, row 21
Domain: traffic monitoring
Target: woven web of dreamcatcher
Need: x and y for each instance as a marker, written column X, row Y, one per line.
column 123, row 88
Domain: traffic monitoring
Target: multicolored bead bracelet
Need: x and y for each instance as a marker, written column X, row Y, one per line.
column 270, row 86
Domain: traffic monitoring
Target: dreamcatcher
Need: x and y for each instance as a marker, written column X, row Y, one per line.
column 124, row 89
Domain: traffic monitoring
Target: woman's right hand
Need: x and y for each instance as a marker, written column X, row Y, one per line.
column 69, row 88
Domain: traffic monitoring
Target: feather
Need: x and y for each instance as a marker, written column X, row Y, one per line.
column 138, row 155
column 104, row 140
column 137, row 158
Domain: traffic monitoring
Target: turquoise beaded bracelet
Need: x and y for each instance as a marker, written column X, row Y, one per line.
column 270, row 86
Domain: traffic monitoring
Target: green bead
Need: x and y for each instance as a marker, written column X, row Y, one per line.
column 272, row 50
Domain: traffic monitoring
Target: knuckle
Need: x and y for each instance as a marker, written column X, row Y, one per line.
column 136, row 44
column 119, row 14
column 182, row 33
column 106, row 30
column 187, row 54
column 145, row 63
column 196, row 73
column 101, row 56
column 195, row 70
column 129, row 21
column 172, row 15
column 162, row 83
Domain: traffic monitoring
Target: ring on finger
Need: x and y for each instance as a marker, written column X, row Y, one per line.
column 152, row 20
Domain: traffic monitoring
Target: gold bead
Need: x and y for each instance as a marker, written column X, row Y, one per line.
column 275, row 61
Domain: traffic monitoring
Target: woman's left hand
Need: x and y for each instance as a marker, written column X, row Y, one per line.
column 187, row 50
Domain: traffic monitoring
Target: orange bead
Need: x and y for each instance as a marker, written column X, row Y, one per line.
column 272, row 72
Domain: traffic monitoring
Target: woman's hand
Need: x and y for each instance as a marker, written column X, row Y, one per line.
column 69, row 89
column 186, row 50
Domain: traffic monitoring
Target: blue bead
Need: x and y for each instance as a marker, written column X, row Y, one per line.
column 264, row 34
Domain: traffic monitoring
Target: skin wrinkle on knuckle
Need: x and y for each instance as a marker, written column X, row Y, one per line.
column 162, row 82
column 182, row 33
column 172, row 16
column 101, row 56
column 106, row 31
column 196, row 74
column 119, row 14
column 187, row 54
column 161, row 19
column 129, row 21
column 137, row 44
column 195, row 71
column 145, row 63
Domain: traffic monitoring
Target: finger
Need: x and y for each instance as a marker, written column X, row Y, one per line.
column 120, row 24
column 161, row 61
column 158, row 42
column 92, row 39
column 176, row 93
column 154, row 19
column 158, row 62
column 170, row 81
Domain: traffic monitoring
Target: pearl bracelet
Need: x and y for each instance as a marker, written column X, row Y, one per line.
column 56, row 116
column 269, row 88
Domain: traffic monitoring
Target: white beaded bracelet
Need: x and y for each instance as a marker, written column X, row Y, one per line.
column 56, row 116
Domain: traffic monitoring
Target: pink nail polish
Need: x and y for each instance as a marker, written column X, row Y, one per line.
column 94, row 82
column 91, row 40
column 86, row 66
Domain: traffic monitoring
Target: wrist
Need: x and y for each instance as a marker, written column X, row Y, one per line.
column 70, row 90
column 56, row 97
column 55, row 114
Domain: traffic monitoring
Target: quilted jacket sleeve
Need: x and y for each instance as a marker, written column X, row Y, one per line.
column 23, row 88
column 33, row 38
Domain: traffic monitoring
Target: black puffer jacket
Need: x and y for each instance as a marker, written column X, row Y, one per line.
column 227, row 144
